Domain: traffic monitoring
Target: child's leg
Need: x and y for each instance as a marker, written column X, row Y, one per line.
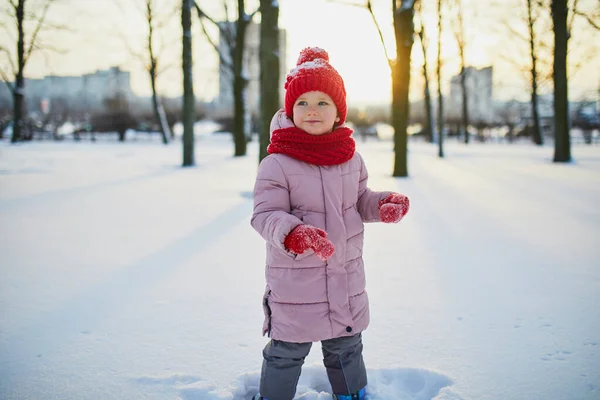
column 281, row 369
column 344, row 363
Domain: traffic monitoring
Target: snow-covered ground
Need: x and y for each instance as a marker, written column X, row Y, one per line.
column 124, row 276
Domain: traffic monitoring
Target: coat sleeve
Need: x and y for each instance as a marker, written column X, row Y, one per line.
column 272, row 217
column 368, row 200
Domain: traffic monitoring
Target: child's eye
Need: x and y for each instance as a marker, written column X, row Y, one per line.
column 302, row 103
column 323, row 103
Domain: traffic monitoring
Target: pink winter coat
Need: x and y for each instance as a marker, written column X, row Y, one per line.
column 308, row 299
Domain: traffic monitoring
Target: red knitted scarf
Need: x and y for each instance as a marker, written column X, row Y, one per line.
column 332, row 148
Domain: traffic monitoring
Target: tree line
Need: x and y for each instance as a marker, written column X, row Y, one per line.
column 408, row 26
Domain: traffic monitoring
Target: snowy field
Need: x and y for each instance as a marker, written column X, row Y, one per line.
column 124, row 276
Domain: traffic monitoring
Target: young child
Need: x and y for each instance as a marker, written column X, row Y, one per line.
column 310, row 202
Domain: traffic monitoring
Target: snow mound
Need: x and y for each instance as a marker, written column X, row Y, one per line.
column 384, row 384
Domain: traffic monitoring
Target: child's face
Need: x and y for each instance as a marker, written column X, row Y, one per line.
column 315, row 113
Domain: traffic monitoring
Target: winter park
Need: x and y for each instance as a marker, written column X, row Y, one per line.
column 153, row 187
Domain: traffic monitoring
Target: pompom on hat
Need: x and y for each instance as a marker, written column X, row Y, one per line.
column 314, row 73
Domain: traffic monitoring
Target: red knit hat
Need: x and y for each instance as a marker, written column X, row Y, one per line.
column 314, row 73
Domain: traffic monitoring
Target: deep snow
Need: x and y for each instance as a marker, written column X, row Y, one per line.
column 124, row 276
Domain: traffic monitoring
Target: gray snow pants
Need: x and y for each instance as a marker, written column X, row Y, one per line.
column 283, row 361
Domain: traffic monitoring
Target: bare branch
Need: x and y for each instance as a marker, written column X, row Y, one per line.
column 10, row 11
column 46, row 56
column 203, row 14
column 166, row 67
column 369, row 8
column 49, row 47
column 226, row 8
column 152, row 62
column 168, row 17
column 420, row 28
column 573, row 13
column 227, row 31
column 517, row 33
column 224, row 60
column 130, row 50
column 10, row 59
column 6, row 80
column 40, row 23
column 589, row 56
column 224, row 29
column 512, row 61
column 387, row 56
column 347, row 4
column 57, row 27
column 252, row 14
column 594, row 24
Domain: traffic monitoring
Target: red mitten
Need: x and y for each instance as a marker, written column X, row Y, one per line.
column 304, row 237
column 393, row 208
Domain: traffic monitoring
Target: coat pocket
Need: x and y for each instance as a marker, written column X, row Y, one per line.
column 298, row 257
column 267, row 310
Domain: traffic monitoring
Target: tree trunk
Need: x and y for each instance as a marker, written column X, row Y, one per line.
column 404, row 31
column 439, row 85
column 153, row 71
column 19, row 89
column 188, row 85
column 429, row 125
column 18, row 111
column 159, row 112
column 463, row 74
column 562, row 140
column 538, row 138
column 510, row 134
column 240, row 128
column 269, row 71
column 465, row 99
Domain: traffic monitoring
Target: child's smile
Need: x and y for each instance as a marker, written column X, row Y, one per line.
column 315, row 113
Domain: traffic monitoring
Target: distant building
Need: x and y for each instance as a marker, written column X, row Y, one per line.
column 73, row 94
column 223, row 104
column 479, row 84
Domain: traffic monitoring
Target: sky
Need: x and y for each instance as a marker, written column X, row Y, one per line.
column 101, row 29
column 124, row 276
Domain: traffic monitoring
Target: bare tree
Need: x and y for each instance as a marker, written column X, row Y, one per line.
column 269, row 70
column 532, row 17
column 459, row 33
column 152, row 66
column 579, row 35
column 563, row 28
column 231, row 55
column 27, row 43
column 152, row 56
column 592, row 17
column 562, row 140
column 541, row 51
column 403, row 13
column 429, row 124
column 439, row 83
column 565, row 15
column 188, row 84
